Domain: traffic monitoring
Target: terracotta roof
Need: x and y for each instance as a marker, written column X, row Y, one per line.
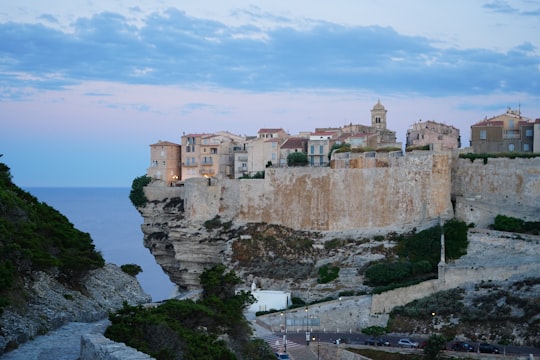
column 165, row 143
column 263, row 131
column 489, row 123
column 294, row 143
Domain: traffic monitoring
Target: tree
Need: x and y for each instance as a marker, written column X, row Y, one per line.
column 297, row 159
column 434, row 345
column 136, row 195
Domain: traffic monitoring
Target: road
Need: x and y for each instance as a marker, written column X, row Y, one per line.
column 359, row 339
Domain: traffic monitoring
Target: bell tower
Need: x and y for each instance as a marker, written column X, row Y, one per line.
column 378, row 116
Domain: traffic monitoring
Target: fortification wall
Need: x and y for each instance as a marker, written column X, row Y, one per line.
column 406, row 192
column 503, row 186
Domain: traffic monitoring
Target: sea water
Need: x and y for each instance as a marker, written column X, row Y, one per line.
column 115, row 227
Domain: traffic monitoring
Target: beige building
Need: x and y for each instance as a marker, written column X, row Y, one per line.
column 292, row 145
column 165, row 159
column 508, row 132
column 265, row 149
column 438, row 136
column 210, row 154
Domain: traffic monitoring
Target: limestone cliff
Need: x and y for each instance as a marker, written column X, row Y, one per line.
column 279, row 230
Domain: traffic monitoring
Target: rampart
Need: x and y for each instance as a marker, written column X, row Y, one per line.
column 405, row 192
column 503, row 186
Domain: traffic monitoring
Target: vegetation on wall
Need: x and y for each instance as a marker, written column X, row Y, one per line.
column 34, row 236
column 136, row 194
column 417, row 147
column 257, row 175
column 485, row 156
column 184, row 329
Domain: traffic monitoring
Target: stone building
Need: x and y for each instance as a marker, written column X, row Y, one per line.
column 165, row 158
column 508, row 132
column 292, row 145
column 209, row 154
column 438, row 136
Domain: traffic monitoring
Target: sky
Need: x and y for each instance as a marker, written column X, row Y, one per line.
column 87, row 85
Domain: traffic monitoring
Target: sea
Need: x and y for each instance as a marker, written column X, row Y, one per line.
column 115, row 227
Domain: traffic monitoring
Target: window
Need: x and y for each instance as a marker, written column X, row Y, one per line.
column 483, row 134
column 321, row 148
column 528, row 132
column 510, row 147
column 312, row 149
column 526, row 147
column 511, row 124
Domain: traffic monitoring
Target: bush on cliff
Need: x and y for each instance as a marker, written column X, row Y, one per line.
column 37, row 237
column 131, row 269
column 136, row 194
column 184, row 329
column 419, row 255
column 511, row 224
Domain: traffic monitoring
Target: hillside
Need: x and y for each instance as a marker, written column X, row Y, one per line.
column 50, row 272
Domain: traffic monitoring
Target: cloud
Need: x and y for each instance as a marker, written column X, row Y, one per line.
column 500, row 6
column 172, row 48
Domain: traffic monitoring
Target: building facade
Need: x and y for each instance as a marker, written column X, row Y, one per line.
column 438, row 136
column 508, row 132
column 165, row 159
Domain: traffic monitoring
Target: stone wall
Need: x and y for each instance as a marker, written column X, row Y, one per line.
column 98, row 347
column 503, row 186
column 404, row 193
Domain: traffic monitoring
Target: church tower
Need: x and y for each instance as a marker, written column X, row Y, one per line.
column 378, row 116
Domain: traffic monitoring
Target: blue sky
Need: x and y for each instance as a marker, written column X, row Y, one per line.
column 86, row 86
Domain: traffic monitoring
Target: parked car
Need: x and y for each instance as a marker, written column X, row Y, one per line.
column 488, row 348
column 463, row 346
column 282, row 356
column 407, row 343
column 377, row 342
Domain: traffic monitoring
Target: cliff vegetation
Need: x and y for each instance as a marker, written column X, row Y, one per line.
column 36, row 237
column 211, row 328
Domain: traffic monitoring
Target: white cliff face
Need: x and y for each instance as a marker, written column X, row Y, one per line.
column 279, row 229
column 50, row 304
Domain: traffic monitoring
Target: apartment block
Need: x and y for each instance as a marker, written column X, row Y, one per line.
column 508, row 132
column 437, row 135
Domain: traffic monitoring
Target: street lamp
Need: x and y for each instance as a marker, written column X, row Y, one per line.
column 284, row 314
column 307, row 330
column 318, row 344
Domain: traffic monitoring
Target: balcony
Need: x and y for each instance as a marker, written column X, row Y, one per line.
column 207, row 162
column 191, row 164
column 512, row 135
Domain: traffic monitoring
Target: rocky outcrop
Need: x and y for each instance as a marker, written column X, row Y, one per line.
column 279, row 230
column 50, row 304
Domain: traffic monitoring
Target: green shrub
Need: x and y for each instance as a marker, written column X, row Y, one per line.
column 507, row 223
column 213, row 223
column 327, row 274
column 131, row 269
column 297, row 159
column 136, row 195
